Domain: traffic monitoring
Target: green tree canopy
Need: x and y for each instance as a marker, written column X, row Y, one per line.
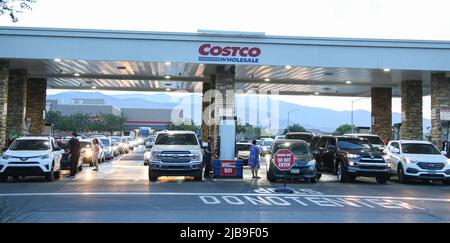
column 343, row 129
column 295, row 128
column 185, row 126
column 14, row 7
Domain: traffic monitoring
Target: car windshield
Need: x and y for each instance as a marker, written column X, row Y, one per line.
column 305, row 137
column 414, row 148
column 354, row 143
column 243, row 147
column 176, row 139
column 85, row 145
column 267, row 143
column 19, row 145
column 374, row 140
column 105, row 141
column 298, row 148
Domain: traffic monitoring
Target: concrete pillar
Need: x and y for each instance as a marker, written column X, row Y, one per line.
column 440, row 99
column 4, row 79
column 412, row 122
column 17, row 98
column 36, row 96
column 382, row 112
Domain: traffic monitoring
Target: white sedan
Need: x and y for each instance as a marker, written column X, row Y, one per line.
column 412, row 159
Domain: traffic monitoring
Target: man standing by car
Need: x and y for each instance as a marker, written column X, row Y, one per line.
column 74, row 154
column 208, row 158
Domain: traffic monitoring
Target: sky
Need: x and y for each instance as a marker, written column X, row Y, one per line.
column 399, row 19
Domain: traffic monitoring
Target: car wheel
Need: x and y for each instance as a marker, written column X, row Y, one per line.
column 198, row 178
column 313, row 180
column 319, row 175
column 145, row 163
column 270, row 176
column 57, row 174
column 80, row 168
column 382, row 179
column 401, row 174
column 15, row 178
column 3, row 178
column 446, row 182
column 151, row 176
column 341, row 174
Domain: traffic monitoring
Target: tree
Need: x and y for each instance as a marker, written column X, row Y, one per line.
column 185, row 126
column 248, row 131
column 109, row 123
column 14, row 7
column 343, row 129
column 295, row 128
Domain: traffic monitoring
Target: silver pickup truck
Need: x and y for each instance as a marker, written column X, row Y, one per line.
column 175, row 153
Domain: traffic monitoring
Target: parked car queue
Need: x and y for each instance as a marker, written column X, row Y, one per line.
column 47, row 156
column 354, row 155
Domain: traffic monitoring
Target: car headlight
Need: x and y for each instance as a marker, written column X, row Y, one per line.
column 44, row 156
column 353, row 156
column 409, row 160
column 197, row 155
column 385, row 157
column 154, row 156
column 4, row 156
column 448, row 161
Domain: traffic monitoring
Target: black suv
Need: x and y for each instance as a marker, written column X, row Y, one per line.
column 349, row 157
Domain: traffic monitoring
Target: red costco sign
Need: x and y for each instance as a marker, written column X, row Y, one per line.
column 228, row 168
column 284, row 159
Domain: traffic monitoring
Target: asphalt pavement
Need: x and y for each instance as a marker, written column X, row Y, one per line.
column 121, row 192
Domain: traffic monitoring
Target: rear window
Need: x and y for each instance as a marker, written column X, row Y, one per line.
column 305, row 137
column 297, row 148
column 176, row 139
column 243, row 147
column 105, row 141
column 22, row 145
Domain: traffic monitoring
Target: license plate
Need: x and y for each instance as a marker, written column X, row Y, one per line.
column 295, row 171
column 431, row 172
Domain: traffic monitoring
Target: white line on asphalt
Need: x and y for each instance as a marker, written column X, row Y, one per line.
column 212, row 194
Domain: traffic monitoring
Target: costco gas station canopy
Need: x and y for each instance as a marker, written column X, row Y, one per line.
column 161, row 61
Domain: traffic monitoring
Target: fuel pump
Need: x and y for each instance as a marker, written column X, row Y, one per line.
column 445, row 125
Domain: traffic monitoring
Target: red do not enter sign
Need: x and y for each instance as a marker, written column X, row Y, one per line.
column 284, row 159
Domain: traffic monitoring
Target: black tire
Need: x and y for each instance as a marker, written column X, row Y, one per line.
column 446, row 182
column 401, row 175
column 80, row 168
column 271, row 177
column 319, row 175
column 313, row 180
column 382, row 179
column 145, row 163
column 3, row 178
column 49, row 176
column 341, row 173
column 16, row 178
column 57, row 174
column 152, row 177
column 198, row 178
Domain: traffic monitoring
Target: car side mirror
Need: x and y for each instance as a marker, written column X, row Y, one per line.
column 443, row 152
column 394, row 150
column 204, row 145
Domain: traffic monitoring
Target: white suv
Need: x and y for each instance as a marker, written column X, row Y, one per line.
column 412, row 159
column 175, row 153
column 31, row 156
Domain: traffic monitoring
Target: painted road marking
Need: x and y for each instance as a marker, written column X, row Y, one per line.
column 307, row 201
column 215, row 194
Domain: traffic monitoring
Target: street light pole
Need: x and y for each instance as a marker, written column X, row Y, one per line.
column 353, row 125
column 288, row 125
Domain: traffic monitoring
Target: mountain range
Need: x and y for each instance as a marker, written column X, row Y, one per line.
column 326, row 120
